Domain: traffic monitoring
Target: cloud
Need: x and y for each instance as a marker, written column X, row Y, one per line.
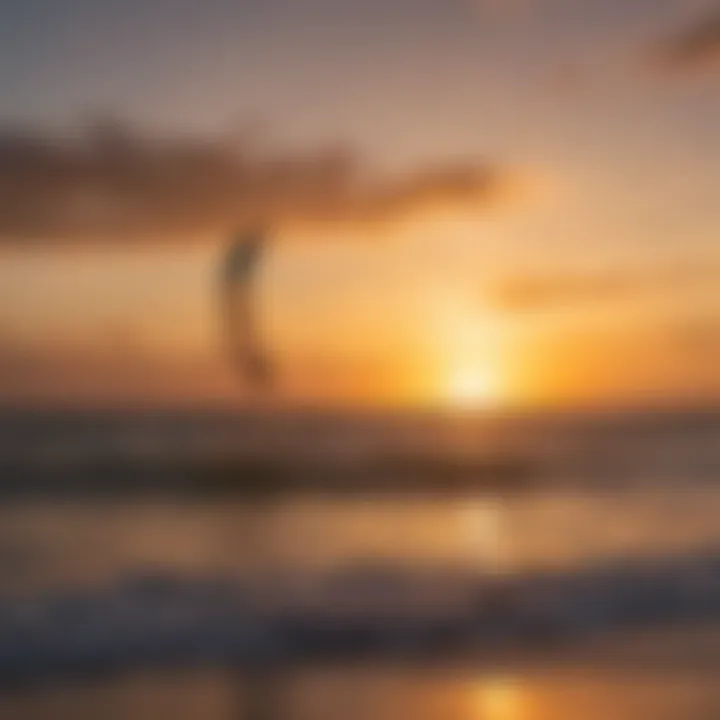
column 699, row 335
column 695, row 46
column 530, row 292
column 549, row 292
column 112, row 182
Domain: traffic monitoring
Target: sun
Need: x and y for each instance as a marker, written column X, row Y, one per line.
column 472, row 387
column 467, row 350
column 500, row 698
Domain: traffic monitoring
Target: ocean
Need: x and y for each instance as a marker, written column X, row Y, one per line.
column 216, row 564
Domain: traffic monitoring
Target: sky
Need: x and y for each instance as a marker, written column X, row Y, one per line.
column 473, row 202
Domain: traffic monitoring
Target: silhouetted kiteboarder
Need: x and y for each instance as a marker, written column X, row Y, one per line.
column 237, row 290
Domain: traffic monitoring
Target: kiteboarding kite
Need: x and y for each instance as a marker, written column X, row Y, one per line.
column 237, row 294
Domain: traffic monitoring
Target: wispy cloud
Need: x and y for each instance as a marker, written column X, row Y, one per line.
column 697, row 45
column 111, row 181
column 547, row 292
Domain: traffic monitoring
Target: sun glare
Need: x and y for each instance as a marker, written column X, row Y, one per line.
column 499, row 698
column 468, row 344
column 472, row 387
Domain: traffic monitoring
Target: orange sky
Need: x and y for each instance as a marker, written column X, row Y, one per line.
column 415, row 318
column 473, row 205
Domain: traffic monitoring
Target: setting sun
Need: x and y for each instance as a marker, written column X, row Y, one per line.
column 499, row 698
column 472, row 387
column 468, row 345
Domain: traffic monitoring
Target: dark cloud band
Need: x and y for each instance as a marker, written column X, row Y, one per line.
column 111, row 182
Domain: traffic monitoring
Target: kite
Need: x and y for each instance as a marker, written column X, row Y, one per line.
column 239, row 311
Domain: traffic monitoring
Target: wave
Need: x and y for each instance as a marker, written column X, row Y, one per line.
column 371, row 611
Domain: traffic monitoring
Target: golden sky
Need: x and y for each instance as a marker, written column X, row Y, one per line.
column 472, row 203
